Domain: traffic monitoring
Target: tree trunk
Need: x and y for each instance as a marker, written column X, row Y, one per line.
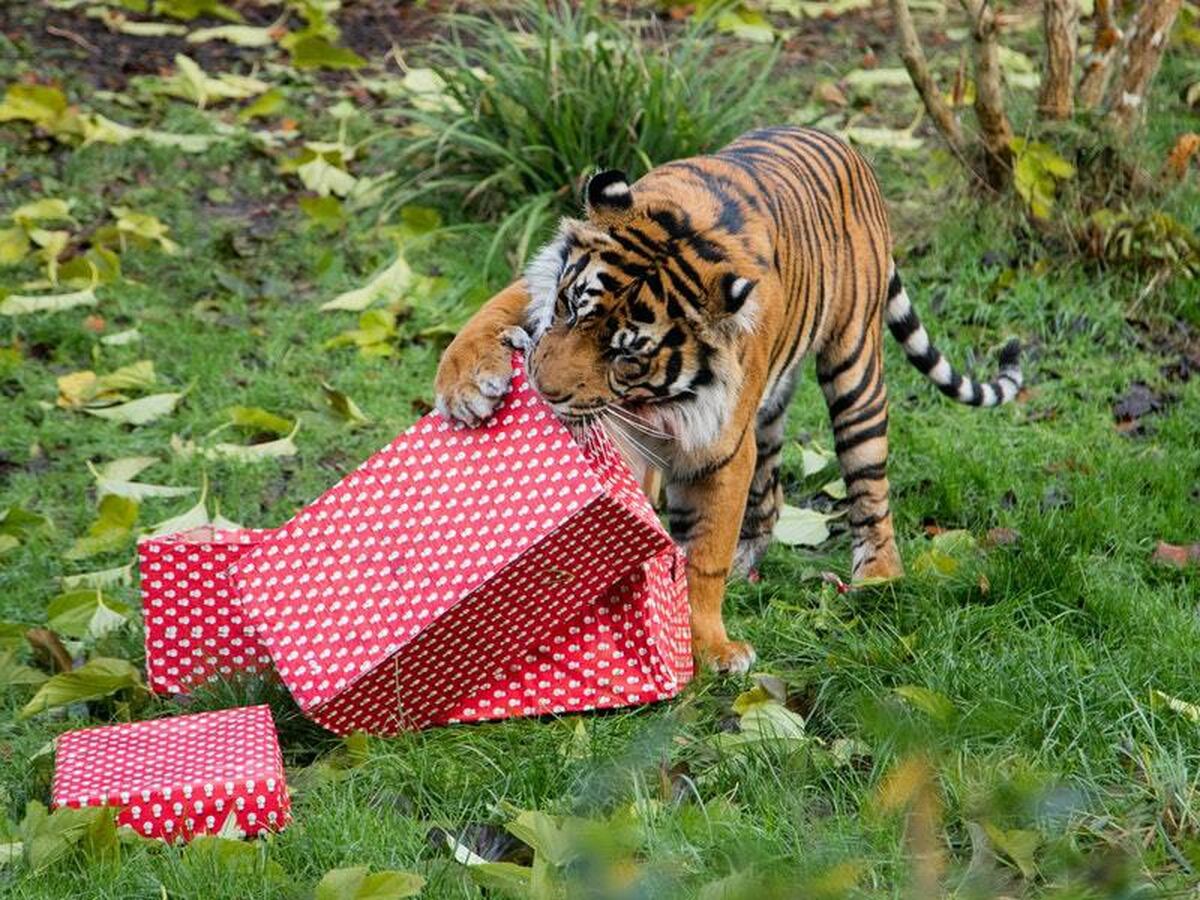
column 1148, row 35
column 1056, row 100
column 1097, row 65
column 918, row 71
column 989, row 93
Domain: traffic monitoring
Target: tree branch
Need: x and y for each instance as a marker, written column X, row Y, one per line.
column 1148, row 34
column 989, row 92
column 1056, row 99
column 1097, row 65
column 918, row 70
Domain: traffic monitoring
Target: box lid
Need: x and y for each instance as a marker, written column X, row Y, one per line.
column 110, row 764
column 363, row 570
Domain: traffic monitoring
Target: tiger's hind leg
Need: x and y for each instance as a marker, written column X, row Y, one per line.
column 851, row 377
column 765, row 498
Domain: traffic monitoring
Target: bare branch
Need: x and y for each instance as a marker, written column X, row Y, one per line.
column 1097, row 65
column 989, row 92
column 918, row 70
column 1144, row 48
column 1056, row 99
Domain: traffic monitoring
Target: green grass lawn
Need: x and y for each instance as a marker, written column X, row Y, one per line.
column 1002, row 693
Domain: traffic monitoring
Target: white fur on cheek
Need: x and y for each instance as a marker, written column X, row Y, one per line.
column 541, row 277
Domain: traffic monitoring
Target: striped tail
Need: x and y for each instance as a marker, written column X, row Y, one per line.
column 902, row 320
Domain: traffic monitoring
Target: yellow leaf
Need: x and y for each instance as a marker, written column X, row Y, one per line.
column 14, row 245
column 20, row 304
column 45, row 210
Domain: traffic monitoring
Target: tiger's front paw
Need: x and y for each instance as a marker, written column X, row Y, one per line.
column 472, row 379
column 729, row 657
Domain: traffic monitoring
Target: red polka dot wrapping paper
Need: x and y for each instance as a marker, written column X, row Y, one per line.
column 194, row 631
column 179, row 777
column 454, row 559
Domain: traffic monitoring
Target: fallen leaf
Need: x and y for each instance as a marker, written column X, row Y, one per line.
column 390, row 284
column 101, row 578
column 830, row 94
column 948, row 550
column 936, row 706
column 1180, row 157
column 315, row 52
column 20, row 304
column 1185, row 709
column 14, row 673
column 342, row 406
column 802, row 527
column 1176, row 555
column 257, row 419
column 192, row 83
column 1001, row 537
column 118, row 23
column 14, row 245
column 116, row 478
column 47, row 209
column 747, row 24
column 122, row 338
column 321, row 176
column 97, row 678
column 870, row 79
column 889, row 138
column 246, row 453
column 1018, row 845
column 86, row 613
column 835, row 489
column 142, row 228
column 48, row 650
column 240, row 35
column 264, row 105
column 113, row 526
column 356, row 884
column 138, row 412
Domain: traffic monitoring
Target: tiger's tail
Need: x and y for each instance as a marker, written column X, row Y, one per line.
column 902, row 321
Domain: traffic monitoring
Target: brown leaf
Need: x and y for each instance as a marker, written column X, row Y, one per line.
column 1181, row 154
column 48, row 651
column 1001, row 537
column 95, row 324
column 830, row 94
column 1176, row 555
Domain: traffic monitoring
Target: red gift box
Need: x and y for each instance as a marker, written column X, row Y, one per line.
column 631, row 646
column 179, row 777
column 194, row 631
column 453, row 555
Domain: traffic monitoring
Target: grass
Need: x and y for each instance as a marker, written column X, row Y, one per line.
column 1044, row 652
column 567, row 89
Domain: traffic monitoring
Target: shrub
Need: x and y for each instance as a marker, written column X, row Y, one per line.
column 529, row 110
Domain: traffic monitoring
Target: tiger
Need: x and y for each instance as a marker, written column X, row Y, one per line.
column 678, row 310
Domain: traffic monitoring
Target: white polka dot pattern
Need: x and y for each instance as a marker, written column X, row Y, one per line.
column 443, row 559
column 194, row 631
column 179, row 777
column 632, row 646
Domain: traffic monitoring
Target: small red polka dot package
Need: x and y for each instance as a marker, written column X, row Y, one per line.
column 194, row 630
column 179, row 777
column 464, row 574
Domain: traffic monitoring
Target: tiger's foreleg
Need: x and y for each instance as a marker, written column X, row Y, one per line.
column 851, row 379
column 476, row 369
column 705, row 513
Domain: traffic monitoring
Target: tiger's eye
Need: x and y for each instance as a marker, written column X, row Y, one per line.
column 627, row 367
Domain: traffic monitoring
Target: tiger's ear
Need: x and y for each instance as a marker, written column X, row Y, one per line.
column 609, row 197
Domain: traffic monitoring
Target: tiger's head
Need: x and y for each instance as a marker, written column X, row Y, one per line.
column 640, row 306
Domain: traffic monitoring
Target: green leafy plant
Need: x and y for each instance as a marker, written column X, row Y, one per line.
column 510, row 120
